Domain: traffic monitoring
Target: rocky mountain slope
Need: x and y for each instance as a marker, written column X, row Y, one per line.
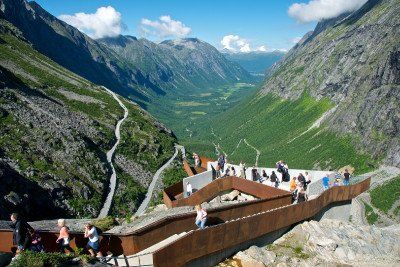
column 257, row 63
column 332, row 101
column 138, row 69
column 178, row 65
column 56, row 128
column 354, row 61
column 326, row 243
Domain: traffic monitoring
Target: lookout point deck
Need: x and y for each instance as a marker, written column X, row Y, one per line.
column 175, row 241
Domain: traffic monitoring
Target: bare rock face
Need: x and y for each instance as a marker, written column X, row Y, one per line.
column 328, row 243
column 354, row 60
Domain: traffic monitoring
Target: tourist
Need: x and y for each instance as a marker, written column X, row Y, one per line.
column 337, row 182
column 63, row 239
column 264, row 177
column 189, row 189
column 218, row 171
column 325, row 182
column 274, row 179
column 221, row 161
column 227, row 172
column 232, row 171
column 36, row 241
column 93, row 245
column 308, row 177
column 346, row 180
column 292, row 185
column 21, row 237
column 301, row 195
column 201, row 217
column 302, row 180
column 196, row 160
column 242, row 170
column 254, row 174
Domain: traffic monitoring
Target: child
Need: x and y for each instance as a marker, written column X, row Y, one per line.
column 36, row 241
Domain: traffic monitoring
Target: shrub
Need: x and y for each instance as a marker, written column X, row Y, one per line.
column 34, row 259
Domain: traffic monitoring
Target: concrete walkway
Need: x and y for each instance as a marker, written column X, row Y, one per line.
column 142, row 208
column 113, row 179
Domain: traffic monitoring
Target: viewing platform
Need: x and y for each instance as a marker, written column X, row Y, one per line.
column 229, row 228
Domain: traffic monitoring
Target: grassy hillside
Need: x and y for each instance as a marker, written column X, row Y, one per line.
column 56, row 128
column 279, row 129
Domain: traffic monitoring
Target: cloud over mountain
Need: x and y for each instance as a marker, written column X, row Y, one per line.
column 234, row 43
column 164, row 27
column 316, row 10
column 106, row 22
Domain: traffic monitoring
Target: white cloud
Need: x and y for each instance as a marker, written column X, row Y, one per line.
column 316, row 10
column 295, row 40
column 106, row 22
column 164, row 27
column 234, row 43
column 262, row 48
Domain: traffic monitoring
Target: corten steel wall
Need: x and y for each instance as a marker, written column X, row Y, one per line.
column 145, row 237
column 214, row 188
column 172, row 193
column 200, row 243
column 204, row 161
column 114, row 243
column 182, row 223
column 187, row 168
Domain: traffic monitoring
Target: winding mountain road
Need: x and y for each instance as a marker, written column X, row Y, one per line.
column 113, row 179
column 142, row 208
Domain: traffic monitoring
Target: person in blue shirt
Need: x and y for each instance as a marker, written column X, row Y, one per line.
column 325, row 182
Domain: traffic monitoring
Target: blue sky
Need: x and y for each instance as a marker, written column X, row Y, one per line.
column 257, row 23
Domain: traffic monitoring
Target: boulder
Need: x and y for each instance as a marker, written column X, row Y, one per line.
column 233, row 195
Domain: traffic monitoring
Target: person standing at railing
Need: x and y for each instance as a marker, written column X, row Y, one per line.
column 189, row 189
column 201, row 217
column 242, row 170
column 218, row 171
column 221, row 161
column 196, row 160
column 325, row 182
column 346, row 180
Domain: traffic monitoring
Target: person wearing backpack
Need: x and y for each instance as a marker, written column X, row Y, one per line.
column 63, row 239
column 21, row 238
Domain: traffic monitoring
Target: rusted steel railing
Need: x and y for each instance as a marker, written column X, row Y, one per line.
column 136, row 241
column 201, row 243
column 215, row 188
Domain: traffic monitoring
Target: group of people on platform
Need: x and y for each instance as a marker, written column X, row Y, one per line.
column 26, row 238
column 338, row 180
column 298, row 187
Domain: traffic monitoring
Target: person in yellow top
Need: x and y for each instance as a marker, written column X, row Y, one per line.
column 292, row 185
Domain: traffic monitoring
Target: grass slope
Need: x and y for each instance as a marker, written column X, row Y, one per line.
column 279, row 129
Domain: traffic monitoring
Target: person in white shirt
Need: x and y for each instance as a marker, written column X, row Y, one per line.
column 189, row 189
column 93, row 246
column 201, row 217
